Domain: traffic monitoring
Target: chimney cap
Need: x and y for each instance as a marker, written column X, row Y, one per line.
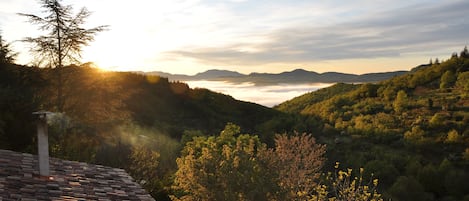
column 42, row 114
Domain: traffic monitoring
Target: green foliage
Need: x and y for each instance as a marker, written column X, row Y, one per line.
column 408, row 189
column 384, row 170
column 156, row 104
column 431, row 179
column 456, row 183
column 415, row 135
column 453, row 137
column 234, row 166
column 387, row 92
column 463, row 81
column 413, row 167
column 143, row 168
column 367, row 90
column 344, row 186
column 19, row 97
column 438, row 120
column 409, row 118
column 447, row 79
column 298, row 104
column 223, row 168
column 379, row 124
column 189, row 135
column 401, row 102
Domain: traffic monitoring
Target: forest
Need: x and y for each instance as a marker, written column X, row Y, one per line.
column 411, row 131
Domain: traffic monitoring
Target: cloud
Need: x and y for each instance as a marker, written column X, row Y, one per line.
column 413, row 29
column 183, row 35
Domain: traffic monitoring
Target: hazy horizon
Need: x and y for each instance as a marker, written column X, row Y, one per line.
column 190, row 36
column 203, row 71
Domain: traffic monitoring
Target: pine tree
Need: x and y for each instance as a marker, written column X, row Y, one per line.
column 64, row 41
column 465, row 53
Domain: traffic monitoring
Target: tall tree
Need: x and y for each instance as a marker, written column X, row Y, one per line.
column 447, row 79
column 297, row 160
column 400, row 103
column 63, row 43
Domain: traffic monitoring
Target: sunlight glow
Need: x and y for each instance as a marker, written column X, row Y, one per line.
column 191, row 36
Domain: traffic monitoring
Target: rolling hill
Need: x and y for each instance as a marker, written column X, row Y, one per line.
column 411, row 131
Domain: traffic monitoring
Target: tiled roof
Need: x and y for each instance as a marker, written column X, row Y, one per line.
column 69, row 180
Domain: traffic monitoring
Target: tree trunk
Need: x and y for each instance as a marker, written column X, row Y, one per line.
column 60, row 100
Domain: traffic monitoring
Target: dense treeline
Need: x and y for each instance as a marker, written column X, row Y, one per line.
column 101, row 100
column 17, row 101
column 412, row 131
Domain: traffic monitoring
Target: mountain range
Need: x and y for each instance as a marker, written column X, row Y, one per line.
column 295, row 76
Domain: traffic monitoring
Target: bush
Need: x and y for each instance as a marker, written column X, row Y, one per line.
column 342, row 185
column 453, row 137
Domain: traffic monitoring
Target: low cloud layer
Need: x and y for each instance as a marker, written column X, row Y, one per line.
column 267, row 95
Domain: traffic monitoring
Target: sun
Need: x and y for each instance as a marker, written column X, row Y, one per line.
column 93, row 65
column 106, row 56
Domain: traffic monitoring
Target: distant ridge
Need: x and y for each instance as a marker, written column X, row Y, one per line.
column 295, row 76
column 211, row 74
column 207, row 75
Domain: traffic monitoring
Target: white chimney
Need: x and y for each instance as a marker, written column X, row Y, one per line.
column 42, row 143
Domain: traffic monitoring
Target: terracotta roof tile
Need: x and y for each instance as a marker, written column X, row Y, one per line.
column 69, row 180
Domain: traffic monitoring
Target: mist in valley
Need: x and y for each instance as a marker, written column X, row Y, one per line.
column 267, row 95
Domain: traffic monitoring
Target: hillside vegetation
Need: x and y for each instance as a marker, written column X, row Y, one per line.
column 412, row 131
column 110, row 116
column 409, row 132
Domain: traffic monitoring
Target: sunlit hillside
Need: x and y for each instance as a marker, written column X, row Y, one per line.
column 411, row 131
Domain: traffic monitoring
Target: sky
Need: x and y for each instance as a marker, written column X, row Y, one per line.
column 191, row 36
